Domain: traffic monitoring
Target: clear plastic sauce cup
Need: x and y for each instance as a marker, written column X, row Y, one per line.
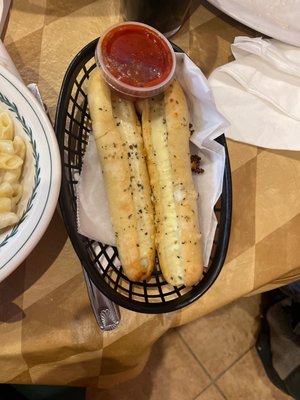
column 136, row 60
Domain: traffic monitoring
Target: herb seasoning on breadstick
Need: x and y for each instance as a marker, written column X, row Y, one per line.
column 165, row 127
column 117, row 133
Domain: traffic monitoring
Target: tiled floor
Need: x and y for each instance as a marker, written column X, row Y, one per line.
column 212, row 358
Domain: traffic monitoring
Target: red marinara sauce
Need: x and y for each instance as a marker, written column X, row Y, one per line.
column 136, row 59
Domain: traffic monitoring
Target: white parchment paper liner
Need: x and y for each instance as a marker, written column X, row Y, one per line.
column 92, row 207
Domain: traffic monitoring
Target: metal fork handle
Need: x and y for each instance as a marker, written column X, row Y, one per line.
column 106, row 312
column 33, row 87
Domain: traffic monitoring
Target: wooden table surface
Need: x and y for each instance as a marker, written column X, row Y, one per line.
column 46, row 322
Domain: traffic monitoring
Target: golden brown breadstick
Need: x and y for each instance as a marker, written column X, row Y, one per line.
column 165, row 127
column 120, row 148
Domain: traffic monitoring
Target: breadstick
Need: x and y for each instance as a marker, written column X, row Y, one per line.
column 165, row 128
column 120, row 147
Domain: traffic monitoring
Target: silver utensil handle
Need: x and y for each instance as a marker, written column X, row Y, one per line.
column 33, row 87
column 106, row 312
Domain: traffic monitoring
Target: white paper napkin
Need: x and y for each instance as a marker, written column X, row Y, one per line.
column 259, row 93
column 93, row 216
column 6, row 61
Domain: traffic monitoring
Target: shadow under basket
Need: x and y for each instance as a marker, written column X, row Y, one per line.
column 101, row 262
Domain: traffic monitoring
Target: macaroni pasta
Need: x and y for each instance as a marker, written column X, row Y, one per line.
column 12, row 156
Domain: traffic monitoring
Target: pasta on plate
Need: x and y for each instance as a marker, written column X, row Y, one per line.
column 12, row 157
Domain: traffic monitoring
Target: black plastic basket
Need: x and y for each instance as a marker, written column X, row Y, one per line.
column 73, row 126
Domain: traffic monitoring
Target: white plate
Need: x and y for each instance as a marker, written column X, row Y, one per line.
column 42, row 177
column 275, row 18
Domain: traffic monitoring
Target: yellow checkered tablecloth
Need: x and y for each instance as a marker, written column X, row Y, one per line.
column 47, row 329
